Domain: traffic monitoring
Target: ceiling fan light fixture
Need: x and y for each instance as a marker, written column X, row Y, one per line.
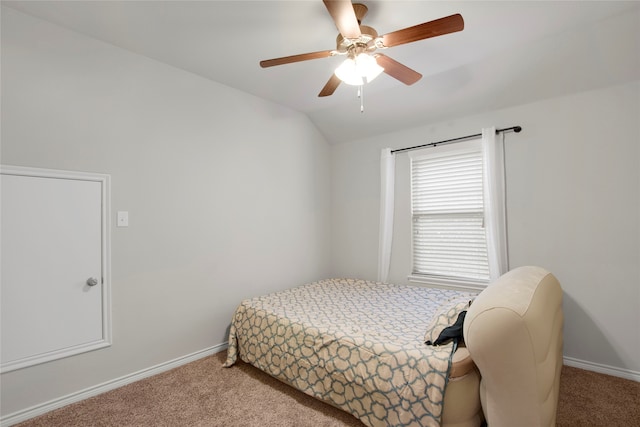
column 368, row 67
column 356, row 72
column 348, row 73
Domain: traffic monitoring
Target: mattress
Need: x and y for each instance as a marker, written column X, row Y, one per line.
column 356, row 344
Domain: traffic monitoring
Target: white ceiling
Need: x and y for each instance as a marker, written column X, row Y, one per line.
column 510, row 52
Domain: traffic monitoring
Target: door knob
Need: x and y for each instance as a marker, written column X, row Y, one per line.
column 92, row 281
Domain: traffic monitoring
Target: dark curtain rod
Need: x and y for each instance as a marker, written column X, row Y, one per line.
column 515, row 129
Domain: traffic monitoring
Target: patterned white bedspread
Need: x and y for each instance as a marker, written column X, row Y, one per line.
column 356, row 344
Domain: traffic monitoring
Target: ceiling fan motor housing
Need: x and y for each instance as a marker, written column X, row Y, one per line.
column 368, row 34
column 362, row 43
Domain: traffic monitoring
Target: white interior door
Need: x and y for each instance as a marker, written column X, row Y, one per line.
column 54, row 277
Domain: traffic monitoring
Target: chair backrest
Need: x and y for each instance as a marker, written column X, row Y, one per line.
column 513, row 331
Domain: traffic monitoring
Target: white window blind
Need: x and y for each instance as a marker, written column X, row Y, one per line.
column 449, row 239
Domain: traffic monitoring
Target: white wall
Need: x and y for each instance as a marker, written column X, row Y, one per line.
column 573, row 207
column 228, row 195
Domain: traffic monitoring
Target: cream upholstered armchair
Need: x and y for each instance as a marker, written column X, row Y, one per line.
column 513, row 331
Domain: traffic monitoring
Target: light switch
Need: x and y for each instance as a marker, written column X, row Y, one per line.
column 122, row 219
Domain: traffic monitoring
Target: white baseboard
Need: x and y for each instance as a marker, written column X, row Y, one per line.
column 34, row 411
column 602, row 369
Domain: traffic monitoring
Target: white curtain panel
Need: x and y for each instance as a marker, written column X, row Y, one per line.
column 494, row 202
column 387, row 181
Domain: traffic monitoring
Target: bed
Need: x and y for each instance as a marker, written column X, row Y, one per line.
column 360, row 346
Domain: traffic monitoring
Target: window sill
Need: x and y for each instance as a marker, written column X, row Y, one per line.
column 438, row 282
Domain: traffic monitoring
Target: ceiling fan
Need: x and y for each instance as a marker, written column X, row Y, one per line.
column 359, row 43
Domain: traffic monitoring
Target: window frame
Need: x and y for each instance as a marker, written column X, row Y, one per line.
column 475, row 146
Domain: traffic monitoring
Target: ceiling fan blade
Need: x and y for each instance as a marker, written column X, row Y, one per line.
column 439, row 27
column 344, row 17
column 330, row 87
column 397, row 70
column 295, row 58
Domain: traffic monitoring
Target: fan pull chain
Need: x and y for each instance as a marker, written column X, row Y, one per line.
column 361, row 96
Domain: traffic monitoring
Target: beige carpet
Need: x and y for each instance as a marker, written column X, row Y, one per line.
column 591, row 399
column 202, row 393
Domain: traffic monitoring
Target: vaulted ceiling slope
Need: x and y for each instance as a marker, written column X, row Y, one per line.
column 509, row 53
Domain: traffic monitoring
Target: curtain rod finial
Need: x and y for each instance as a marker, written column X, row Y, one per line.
column 517, row 129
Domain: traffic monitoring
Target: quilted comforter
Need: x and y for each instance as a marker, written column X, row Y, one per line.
column 355, row 344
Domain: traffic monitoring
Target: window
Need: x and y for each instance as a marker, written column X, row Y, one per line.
column 447, row 206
